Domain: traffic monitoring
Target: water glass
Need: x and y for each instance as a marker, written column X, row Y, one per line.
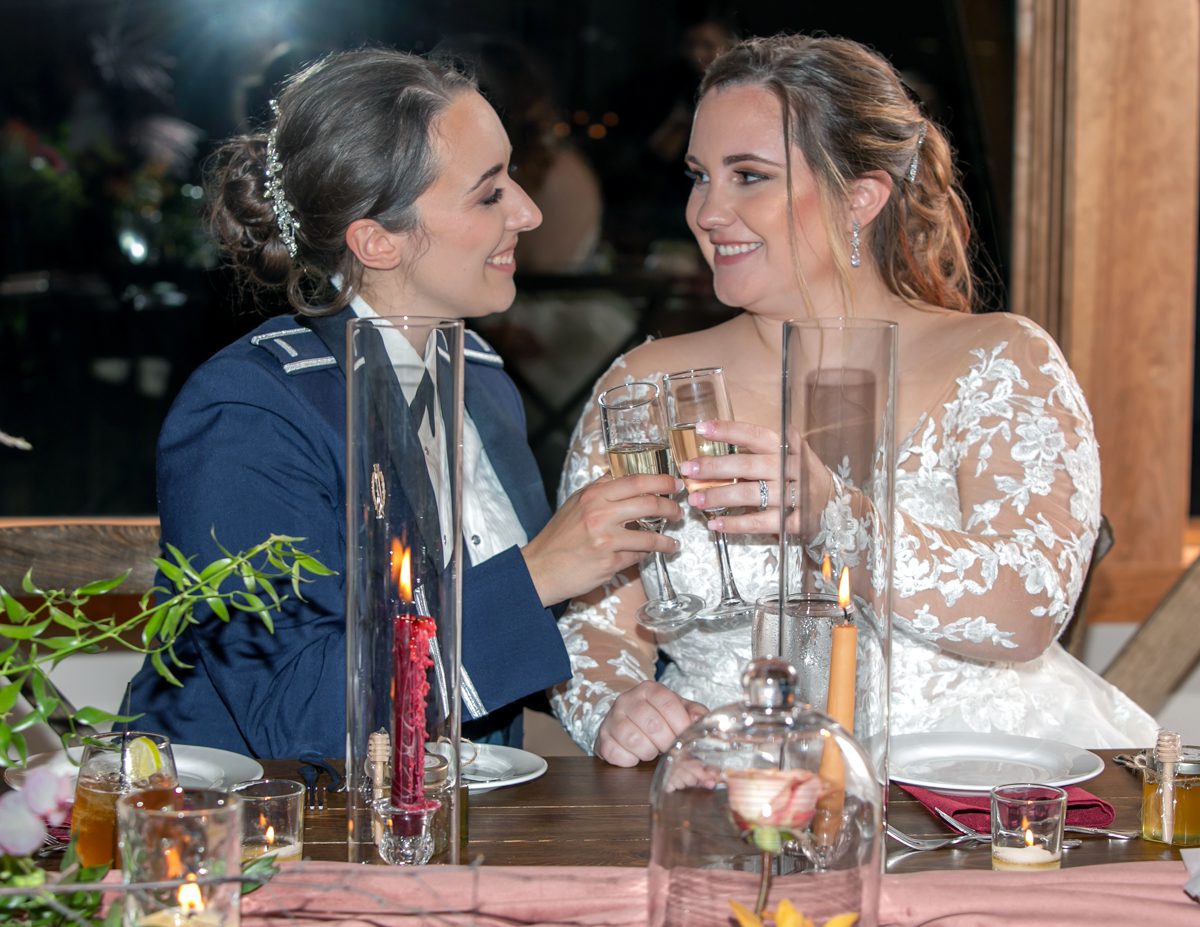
column 111, row 765
column 1027, row 826
column 801, row 632
column 272, row 819
column 191, row 838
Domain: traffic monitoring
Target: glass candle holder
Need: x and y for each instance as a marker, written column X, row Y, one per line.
column 837, row 473
column 405, row 402
column 1027, row 826
column 272, row 819
column 191, row 839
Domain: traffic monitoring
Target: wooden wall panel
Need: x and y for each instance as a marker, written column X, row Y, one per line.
column 1105, row 253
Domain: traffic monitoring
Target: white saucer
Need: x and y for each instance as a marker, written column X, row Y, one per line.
column 495, row 767
column 977, row 762
column 198, row 767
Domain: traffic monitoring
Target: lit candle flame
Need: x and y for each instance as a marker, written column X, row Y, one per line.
column 190, row 899
column 826, row 567
column 270, row 836
column 402, row 568
column 844, row 589
column 1028, row 837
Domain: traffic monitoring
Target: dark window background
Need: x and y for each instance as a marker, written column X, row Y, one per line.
column 110, row 295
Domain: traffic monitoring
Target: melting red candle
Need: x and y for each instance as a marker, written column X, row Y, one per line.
column 411, row 661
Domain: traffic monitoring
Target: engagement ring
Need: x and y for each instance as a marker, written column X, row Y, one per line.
column 762, row 495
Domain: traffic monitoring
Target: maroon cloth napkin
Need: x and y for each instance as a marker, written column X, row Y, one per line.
column 1083, row 808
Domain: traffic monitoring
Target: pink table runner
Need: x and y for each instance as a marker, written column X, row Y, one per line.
column 309, row 894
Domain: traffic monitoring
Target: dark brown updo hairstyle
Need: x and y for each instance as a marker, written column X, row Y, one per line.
column 847, row 110
column 353, row 135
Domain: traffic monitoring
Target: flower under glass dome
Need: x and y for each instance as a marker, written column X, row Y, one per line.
column 765, row 807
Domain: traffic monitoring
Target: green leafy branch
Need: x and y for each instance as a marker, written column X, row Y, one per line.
column 34, row 639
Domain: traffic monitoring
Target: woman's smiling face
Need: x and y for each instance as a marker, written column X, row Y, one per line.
column 470, row 218
column 738, row 207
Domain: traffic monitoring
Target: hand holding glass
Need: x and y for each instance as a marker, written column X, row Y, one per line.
column 695, row 396
column 636, row 437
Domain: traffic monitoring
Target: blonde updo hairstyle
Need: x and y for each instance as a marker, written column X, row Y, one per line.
column 353, row 134
column 847, row 110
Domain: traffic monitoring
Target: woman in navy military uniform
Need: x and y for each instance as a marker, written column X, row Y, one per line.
column 382, row 188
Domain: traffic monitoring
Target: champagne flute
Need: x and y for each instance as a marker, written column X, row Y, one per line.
column 113, row 764
column 637, row 440
column 695, row 396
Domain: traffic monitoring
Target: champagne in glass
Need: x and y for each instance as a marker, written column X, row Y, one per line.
column 695, row 396
column 636, row 436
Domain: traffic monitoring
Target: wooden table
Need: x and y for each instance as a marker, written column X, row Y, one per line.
column 583, row 812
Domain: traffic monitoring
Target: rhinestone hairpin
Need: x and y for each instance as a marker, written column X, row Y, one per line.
column 916, row 158
column 287, row 222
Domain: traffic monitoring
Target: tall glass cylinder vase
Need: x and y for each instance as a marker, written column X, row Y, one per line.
column 404, row 588
column 836, row 543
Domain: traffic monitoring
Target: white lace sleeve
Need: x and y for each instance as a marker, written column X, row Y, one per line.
column 608, row 655
column 998, row 505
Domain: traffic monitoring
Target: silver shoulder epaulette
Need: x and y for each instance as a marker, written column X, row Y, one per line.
column 297, row 349
column 479, row 351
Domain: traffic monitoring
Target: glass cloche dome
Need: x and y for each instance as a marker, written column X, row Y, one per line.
column 762, row 806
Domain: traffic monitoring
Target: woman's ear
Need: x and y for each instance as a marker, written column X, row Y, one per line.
column 375, row 246
column 868, row 194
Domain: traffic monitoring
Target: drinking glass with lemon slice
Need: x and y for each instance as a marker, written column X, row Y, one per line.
column 113, row 764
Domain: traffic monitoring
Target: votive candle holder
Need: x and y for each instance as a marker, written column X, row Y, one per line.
column 186, row 843
column 272, row 819
column 1027, row 826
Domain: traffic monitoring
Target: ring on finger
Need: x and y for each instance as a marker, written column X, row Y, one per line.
column 763, row 495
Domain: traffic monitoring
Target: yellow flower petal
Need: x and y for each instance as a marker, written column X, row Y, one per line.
column 745, row 917
column 842, row 920
column 788, row 916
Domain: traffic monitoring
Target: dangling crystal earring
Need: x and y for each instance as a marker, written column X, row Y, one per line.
column 855, row 253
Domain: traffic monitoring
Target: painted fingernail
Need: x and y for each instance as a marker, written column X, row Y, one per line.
column 704, row 428
column 696, row 500
column 689, row 468
column 679, row 485
column 716, row 524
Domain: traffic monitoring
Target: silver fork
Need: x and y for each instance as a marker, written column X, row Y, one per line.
column 1069, row 828
column 935, row 843
column 315, row 798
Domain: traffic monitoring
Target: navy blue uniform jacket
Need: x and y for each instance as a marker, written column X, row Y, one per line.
column 255, row 444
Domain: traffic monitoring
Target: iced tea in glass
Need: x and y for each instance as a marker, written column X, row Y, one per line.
column 111, row 765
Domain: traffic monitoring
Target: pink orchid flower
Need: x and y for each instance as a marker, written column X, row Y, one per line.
column 44, row 798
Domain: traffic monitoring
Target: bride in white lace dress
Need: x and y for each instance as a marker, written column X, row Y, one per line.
column 997, row 473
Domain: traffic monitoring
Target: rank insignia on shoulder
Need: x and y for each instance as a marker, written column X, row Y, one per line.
column 476, row 350
column 297, row 349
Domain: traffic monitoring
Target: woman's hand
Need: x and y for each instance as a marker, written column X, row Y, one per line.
column 644, row 722
column 593, row 535
column 755, row 466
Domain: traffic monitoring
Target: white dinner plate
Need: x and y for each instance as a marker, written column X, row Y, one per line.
column 977, row 762
column 495, row 766
column 198, row 767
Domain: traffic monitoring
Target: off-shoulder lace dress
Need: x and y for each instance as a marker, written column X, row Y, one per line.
column 997, row 509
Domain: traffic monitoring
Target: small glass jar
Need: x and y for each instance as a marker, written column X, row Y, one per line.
column 1186, row 804
column 762, row 804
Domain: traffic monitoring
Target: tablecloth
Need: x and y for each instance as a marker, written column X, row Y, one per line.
column 308, row 894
